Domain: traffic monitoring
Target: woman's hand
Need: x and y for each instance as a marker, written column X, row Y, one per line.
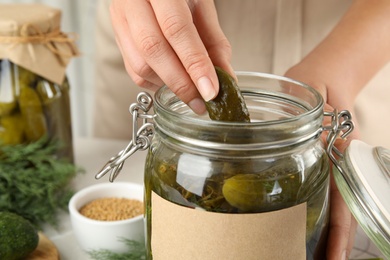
column 172, row 42
column 343, row 226
column 339, row 67
column 178, row 42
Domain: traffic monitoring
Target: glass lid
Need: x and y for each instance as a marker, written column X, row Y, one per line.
column 365, row 187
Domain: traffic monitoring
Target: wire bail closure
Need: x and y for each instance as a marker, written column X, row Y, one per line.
column 140, row 136
column 341, row 126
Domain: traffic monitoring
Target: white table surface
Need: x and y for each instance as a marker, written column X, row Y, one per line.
column 91, row 154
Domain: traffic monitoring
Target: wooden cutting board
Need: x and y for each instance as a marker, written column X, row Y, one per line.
column 46, row 250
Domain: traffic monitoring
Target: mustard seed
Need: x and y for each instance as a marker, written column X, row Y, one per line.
column 112, row 209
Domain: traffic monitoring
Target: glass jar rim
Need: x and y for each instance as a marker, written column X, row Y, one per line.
column 173, row 113
column 295, row 107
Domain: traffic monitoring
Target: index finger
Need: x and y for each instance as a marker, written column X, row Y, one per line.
column 158, row 54
column 176, row 23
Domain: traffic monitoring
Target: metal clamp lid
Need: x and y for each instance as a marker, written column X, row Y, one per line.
column 341, row 126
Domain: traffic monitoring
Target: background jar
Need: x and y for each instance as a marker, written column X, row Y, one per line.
column 34, row 90
column 32, row 108
column 274, row 164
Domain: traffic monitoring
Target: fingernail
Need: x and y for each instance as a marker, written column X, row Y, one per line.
column 197, row 105
column 206, row 88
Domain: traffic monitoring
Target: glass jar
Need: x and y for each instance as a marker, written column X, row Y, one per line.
column 274, row 168
column 223, row 190
column 32, row 108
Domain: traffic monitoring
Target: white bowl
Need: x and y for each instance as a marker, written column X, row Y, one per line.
column 95, row 235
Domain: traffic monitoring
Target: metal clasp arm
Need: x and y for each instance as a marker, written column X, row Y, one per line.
column 341, row 126
column 140, row 136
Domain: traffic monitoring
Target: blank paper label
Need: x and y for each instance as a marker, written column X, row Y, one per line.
column 184, row 233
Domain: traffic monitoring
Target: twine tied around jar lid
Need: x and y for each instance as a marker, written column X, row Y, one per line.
column 30, row 37
column 47, row 39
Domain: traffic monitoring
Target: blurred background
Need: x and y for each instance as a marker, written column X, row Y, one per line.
column 78, row 17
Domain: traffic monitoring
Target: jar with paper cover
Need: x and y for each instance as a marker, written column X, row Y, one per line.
column 34, row 89
column 235, row 190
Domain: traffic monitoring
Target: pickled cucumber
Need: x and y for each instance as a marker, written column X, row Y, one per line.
column 11, row 129
column 32, row 113
column 56, row 107
column 6, row 108
column 229, row 104
column 245, row 192
column 26, row 77
column 272, row 189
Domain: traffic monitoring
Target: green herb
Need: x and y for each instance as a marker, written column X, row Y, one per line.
column 136, row 251
column 34, row 183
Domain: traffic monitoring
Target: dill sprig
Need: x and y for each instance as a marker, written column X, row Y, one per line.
column 34, row 182
column 136, row 251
